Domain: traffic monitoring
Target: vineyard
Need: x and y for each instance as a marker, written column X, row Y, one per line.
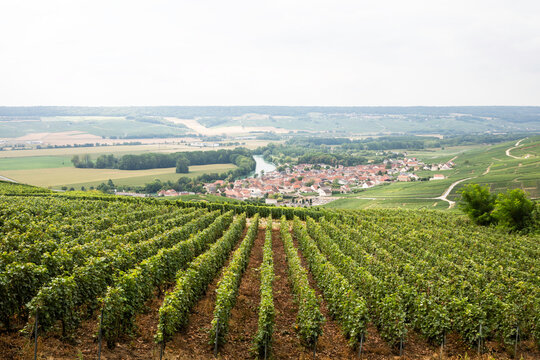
column 92, row 276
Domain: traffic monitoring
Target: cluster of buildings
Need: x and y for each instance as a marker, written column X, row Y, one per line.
column 403, row 169
column 303, row 184
column 307, row 181
column 303, row 180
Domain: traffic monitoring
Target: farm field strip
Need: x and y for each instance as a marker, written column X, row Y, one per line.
column 471, row 162
column 71, row 176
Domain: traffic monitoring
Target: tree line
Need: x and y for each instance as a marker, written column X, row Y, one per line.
column 241, row 157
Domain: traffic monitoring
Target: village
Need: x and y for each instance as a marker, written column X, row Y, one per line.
column 313, row 185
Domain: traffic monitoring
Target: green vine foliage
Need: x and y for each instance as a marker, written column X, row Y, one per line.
column 131, row 289
column 267, row 312
column 309, row 320
column 65, row 294
column 64, row 248
column 432, row 272
column 344, row 303
column 227, row 288
column 386, row 306
column 192, row 283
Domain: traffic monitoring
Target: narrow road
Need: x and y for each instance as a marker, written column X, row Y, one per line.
column 514, row 147
column 487, row 170
column 3, row 178
column 444, row 195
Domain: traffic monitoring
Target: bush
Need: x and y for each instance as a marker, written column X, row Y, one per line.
column 514, row 211
column 478, row 203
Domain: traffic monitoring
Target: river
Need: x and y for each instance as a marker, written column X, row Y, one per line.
column 262, row 164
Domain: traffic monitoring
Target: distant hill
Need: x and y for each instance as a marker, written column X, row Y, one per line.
column 341, row 120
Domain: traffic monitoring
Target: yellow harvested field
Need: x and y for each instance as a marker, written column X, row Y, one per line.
column 227, row 130
column 71, row 175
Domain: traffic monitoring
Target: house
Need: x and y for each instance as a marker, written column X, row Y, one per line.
column 270, row 201
column 368, row 184
column 438, row 177
column 445, row 167
column 170, row 192
column 403, row 177
column 325, row 192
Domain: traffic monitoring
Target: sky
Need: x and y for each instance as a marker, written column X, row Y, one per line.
column 202, row 52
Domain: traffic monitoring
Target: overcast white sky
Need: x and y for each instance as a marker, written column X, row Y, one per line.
column 199, row 52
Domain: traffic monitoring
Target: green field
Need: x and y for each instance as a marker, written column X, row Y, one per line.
column 528, row 149
column 76, row 178
column 118, row 126
column 471, row 162
column 352, row 203
column 368, row 123
column 35, row 162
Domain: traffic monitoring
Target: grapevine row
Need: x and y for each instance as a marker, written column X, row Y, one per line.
column 192, row 283
column 60, row 299
column 344, row 303
column 387, row 308
column 227, row 288
column 309, row 320
column 267, row 312
column 20, row 282
column 131, row 289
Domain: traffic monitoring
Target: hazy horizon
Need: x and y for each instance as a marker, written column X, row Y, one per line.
column 243, row 53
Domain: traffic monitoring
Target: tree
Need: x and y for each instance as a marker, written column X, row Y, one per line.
column 182, row 165
column 153, row 187
column 75, row 160
column 87, row 160
column 513, row 210
column 478, row 203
